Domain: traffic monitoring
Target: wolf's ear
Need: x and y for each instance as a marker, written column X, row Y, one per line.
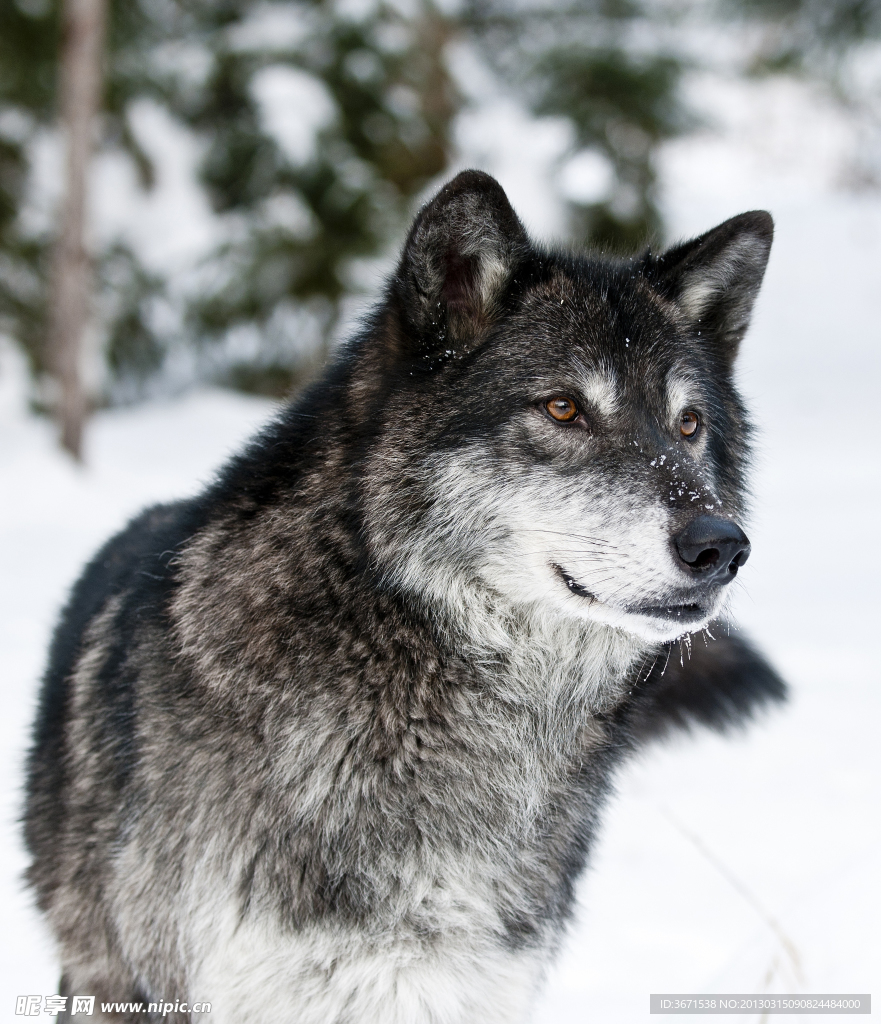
column 457, row 263
column 715, row 279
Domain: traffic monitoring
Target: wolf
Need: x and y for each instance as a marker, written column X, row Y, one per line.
column 329, row 743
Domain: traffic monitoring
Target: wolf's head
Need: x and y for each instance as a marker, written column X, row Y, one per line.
column 561, row 432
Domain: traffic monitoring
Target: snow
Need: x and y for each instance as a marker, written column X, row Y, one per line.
column 295, row 106
column 740, row 864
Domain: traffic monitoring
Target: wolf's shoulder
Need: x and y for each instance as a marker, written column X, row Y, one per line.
column 137, row 557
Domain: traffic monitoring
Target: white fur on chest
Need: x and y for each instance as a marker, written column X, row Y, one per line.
column 322, row 975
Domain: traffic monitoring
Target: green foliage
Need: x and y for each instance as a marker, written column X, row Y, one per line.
column 622, row 97
column 624, row 106
column 827, row 23
column 29, row 38
column 270, row 378
column 12, row 174
column 810, row 37
column 134, row 350
column 387, row 136
column 23, row 275
column 391, row 103
column 297, row 219
column 28, row 51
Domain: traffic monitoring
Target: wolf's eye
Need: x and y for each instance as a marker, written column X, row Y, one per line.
column 562, row 409
column 689, row 423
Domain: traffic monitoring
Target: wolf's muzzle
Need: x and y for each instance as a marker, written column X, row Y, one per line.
column 712, row 548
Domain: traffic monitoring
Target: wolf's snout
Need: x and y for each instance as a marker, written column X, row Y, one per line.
column 712, row 547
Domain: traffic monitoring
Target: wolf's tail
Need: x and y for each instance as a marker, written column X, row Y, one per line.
column 721, row 684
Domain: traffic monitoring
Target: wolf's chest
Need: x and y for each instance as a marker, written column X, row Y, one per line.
column 326, row 975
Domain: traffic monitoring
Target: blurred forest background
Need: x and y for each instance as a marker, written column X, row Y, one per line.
column 305, row 134
column 251, row 169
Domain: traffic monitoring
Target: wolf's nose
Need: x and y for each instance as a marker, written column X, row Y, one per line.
column 713, row 548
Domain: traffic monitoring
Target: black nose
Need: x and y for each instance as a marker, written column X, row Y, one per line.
column 713, row 548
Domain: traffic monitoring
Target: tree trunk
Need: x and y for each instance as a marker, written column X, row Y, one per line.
column 79, row 99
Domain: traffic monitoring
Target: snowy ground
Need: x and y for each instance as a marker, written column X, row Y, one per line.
column 738, row 865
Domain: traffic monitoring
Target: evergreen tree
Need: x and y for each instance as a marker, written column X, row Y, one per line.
column 306, row 214
column 29, row 41
column 295, row 218
column 306, row 190
column 609, row 67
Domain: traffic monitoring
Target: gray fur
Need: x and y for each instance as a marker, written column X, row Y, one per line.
column 330, row 742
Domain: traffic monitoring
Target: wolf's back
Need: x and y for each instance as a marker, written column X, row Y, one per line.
column 134, row 563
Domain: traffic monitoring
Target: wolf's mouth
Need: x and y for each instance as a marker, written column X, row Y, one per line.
column 574, row 587
column 685, row 613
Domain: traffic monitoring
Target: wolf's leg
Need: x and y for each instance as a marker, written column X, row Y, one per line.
column 124, row 995
column 719, row 683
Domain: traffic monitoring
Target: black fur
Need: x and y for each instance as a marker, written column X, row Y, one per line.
column 720, row 683
column 314, row 692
